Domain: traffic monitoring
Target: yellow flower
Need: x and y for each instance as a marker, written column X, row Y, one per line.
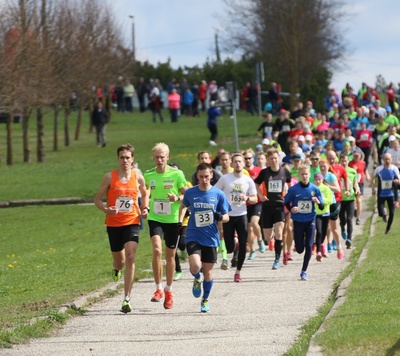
column 10, row 265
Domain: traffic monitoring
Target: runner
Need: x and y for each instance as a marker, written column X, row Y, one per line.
column 123, row 216
column 274, row 178
column 253, row 210
column 300, row 201
column 166, row 185
column 238, row 189
column 388, row 180
column 346, row 213
column 322, row 218
column 208, row 206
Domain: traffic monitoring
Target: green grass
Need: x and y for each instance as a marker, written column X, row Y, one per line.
column 368, row 322
column 50, row 255
column 76, row 170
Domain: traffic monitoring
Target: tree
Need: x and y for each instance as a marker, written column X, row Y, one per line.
column 294, row 38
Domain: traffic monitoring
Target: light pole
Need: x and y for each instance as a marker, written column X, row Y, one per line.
column 133, row 36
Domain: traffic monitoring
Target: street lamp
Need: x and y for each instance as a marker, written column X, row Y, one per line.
column 133, row 36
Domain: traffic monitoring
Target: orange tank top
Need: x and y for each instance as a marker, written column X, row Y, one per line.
column 125, row 197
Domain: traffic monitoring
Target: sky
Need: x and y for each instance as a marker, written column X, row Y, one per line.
column 184, row 31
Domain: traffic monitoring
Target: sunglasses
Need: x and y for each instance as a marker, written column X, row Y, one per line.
column 248, row 158
column 314, row 159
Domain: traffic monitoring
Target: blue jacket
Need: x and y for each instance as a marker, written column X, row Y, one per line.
column 213, row 113
column 188, row 98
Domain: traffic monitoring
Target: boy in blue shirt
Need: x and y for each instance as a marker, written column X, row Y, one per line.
column 300, row 201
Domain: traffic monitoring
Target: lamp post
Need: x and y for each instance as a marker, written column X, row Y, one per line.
column 133, row 36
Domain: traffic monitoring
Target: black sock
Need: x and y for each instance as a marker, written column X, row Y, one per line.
column 278, row 249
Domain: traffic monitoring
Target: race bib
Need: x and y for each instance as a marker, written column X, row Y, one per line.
column 235, row 200
column 286, row 128
column 386, row 184
column 304, row 206
column 124, row 204
column 275, row 186
column 204, row 218
column 162, row 207
column 359, row 178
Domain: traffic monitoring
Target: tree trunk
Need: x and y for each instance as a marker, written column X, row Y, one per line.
column 40, row 135
column 66, row 124
column 10, row 154
column 78, row 123
column 25, row 136
column 55, row 129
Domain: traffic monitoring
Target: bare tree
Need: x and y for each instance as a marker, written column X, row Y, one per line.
column 294, row 38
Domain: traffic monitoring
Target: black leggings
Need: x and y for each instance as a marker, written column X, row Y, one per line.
column 238, row 224
column 346, row 215
column 382, row 212
column 322, row 223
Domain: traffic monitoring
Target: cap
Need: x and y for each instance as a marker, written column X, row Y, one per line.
column 266, row 141
column 388, row 108
column 318, row 175
column 259, row 147
column 301, row 138
column 351, row 139
column 308, row 138
column 295, row 156
column 392, row 138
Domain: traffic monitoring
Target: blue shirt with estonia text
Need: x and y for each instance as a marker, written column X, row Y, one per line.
column 300, row 195
column 202, row 228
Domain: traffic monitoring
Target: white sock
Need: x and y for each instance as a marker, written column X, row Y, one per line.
column 168, row 288
column 127, row 298
column 159, row 286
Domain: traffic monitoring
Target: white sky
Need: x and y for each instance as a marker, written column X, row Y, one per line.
column 184, row 30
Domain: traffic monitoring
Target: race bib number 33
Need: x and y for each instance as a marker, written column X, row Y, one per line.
column 204, row 218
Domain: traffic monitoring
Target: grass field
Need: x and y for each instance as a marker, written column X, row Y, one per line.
column 51, row 254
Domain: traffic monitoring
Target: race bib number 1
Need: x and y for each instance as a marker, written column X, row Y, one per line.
column 204, row 218
column 124, row 204
column 162, row 207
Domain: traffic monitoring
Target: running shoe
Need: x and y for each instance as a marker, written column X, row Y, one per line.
column 234, row 261
column 344, row 235
column 276, row 264
column 224, row 265
column 261, row 246
column 358, row 222
column 212, row 143
column 334, row 245
column 285, row 258
column 323, row 251
column 289, row 256
column 196, row 290
column 178, row 276
column 116, row 275
column 168, row 300
column 348, row 244
column 157, row 296
column 340, row 254
column 252, row 255
column 330, row 248
column 204, row 307
column 271, row 244
column 126, row 307
column 387, row 231
column 319, row 256
column 314, row 249
column 384, row 217
column 303, row 276
column 237, row 278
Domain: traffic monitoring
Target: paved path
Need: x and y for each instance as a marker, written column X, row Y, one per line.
column 260, row 316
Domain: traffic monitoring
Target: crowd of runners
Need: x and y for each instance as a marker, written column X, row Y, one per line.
column 299, row 191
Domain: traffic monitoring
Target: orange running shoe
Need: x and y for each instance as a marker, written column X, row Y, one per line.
column 157, row 296
column 271, row 245
column 168, row 300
